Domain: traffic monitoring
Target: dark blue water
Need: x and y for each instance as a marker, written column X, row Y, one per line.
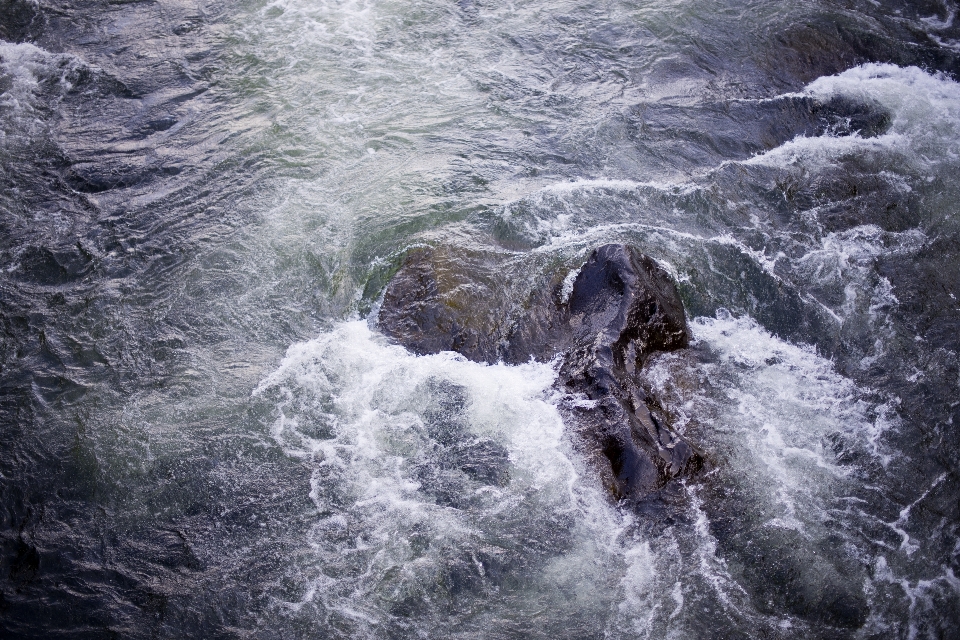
column 203, row 434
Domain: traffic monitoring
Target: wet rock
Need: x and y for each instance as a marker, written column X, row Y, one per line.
column 621, row 308
column 439, row 302
column 625, row 299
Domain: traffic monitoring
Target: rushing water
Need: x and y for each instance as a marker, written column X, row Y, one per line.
column 203, row 434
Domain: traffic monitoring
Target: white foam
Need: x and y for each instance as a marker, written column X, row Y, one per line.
column 366, row 396
column 711, row 567
column 561, row 211
column 936, row 23
column 773, row 407
column 924, row 110
column 767, row 263
column 608, row 184
column 841, row 268
column 567, row 290
column 26, row 68
column 640, row 605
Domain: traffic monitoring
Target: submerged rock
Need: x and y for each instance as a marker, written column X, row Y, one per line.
column 621, row 308
column 455, row 458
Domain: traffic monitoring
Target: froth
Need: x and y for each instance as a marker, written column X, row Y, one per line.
column 773, row 411
column 789, row 395
column 924, row 114
column 26, row 70
column 405, row 517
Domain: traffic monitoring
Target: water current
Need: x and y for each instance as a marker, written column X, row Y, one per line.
column 203, row 434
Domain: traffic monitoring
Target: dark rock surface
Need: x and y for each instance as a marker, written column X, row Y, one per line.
column 621, row 308
column 442, row 302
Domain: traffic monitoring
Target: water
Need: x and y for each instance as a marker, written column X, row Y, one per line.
column 204, row 436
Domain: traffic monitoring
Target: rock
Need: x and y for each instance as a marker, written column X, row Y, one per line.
column 627, row 301
column 438, row 302
column 622, row 307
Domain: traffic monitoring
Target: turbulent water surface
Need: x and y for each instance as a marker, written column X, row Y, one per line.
column 204, row 435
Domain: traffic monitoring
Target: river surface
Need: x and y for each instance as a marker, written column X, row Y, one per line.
column 203, row 435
